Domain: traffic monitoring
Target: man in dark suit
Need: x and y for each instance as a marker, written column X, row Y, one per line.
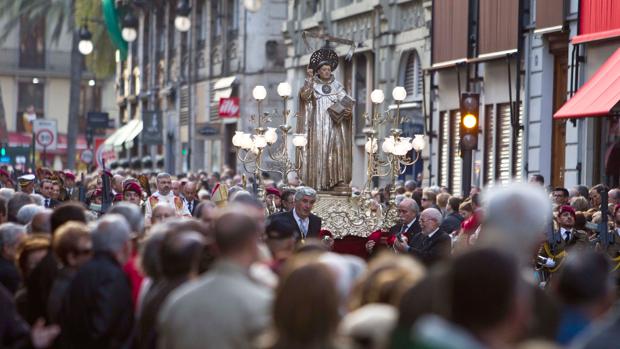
column 47, row 186
column 189, row 197
column 408, row 226
column 301, row 215
column 432, row 244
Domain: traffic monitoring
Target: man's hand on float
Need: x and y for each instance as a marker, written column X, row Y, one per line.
column 401, row 245
column 370, row 245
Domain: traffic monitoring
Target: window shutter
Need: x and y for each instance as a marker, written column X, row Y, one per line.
column 503, row 162
column 444, row 149
column 518, row 147
column 489, row 145
column 455, row 158
column 413, row 75
column 184, row 110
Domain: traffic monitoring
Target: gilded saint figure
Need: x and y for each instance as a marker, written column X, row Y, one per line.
column 325, row 114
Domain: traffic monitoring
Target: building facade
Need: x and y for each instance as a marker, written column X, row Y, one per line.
column 35, row 81
column 392, row 49
column 526, row 59
column 183, row 78
column 569, row 42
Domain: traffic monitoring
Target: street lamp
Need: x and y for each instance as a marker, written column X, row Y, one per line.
column 130, row 25
column 85, row 46
column 182, row 21
column 253, row 5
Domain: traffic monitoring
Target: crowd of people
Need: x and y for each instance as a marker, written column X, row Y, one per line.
column 131, row 260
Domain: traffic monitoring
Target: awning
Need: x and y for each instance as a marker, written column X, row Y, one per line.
column 133, row 134
column 118, row 138
column 222, row 88
column 597, row 97
column 111, row 139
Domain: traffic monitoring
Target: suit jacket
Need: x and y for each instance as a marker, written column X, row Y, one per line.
column 314, row 226
column 53, row 203
column 194, row 204
column 431, row 250
column 413, row 230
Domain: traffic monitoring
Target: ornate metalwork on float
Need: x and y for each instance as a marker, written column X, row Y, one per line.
column 251, row 148
column 359, row 214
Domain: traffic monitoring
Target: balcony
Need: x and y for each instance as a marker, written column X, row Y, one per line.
column 56, row 64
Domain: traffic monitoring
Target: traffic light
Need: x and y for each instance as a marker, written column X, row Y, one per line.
column 3, row 151
column 470, row 120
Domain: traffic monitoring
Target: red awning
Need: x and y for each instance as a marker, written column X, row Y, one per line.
column 598, row 96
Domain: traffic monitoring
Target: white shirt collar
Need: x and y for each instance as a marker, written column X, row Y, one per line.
column 297, row 218
column 411, row 223
column 564, row 232
column 433, row 233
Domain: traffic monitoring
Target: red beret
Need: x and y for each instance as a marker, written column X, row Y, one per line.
column 69, row 175
column 273, row 191
column 566, row 208
column 133, row 186
column 3, row 172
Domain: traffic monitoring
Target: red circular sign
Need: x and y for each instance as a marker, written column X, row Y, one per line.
column 45, row 138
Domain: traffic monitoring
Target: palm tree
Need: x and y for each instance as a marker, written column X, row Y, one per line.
column 64, row 15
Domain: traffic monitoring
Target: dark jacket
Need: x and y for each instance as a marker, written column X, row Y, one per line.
column 59, row 288
column 97, row 311
column 413, row 230
column 9, row 275
column 430, row 250
column 314, row 226
column 14, row 331
column 39, row 285
column 451, row 223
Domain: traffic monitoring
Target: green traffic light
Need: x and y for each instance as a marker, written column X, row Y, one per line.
column 184, row 152
column 3, row 151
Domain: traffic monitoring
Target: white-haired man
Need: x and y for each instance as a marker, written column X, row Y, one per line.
column 164, row 195
column 432, row 244
column 301, row 215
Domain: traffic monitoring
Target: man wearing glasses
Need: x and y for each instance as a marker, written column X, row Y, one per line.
column 432, row 244
column 407, row 228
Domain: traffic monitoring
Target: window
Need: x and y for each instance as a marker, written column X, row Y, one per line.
column 517, row 147
column 413, row 76
column 310, row 7
column 360, row 91
column 489, row 145
column 504, row 130
column 30, row 102
column 216, row 20
column 90, row 100
column 444, row 148
column 456, row 162
column 32, row 43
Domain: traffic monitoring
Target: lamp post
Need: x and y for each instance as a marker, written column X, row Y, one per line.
column 130, row 27
column 85, row 46
column 252, row 147
column 395, row 148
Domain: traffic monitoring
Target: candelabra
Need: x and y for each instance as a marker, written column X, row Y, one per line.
column 395, row 147
column 251, row 148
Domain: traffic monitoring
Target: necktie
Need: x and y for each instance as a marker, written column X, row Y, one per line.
column 189, row 206
column 567, row 238
column 304, row 229
column 47, row 203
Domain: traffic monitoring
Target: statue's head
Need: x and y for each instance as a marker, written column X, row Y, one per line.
column 323, row 62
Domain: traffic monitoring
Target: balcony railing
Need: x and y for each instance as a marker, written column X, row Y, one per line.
column 56, row 62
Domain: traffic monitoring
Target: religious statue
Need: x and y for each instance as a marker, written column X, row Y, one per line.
column 325, row 114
